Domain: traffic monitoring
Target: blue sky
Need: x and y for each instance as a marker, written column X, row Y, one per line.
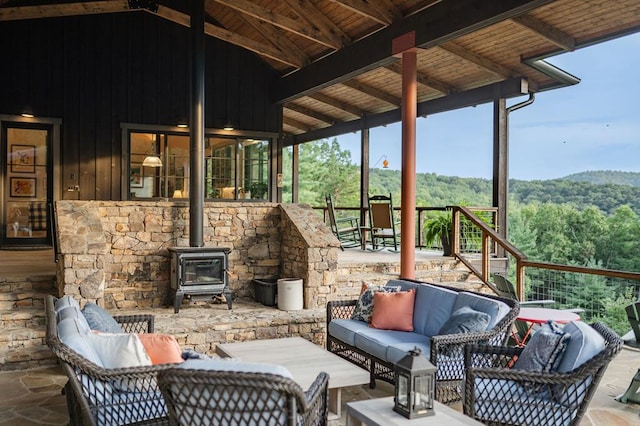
column 594, row 125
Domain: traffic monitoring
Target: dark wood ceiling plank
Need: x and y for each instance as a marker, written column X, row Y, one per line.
column 440, row 23
column 508, row 89
column 364, row 8
column 230, row 37
column 308, row 12
column 337, row 103
column 550, row 33
column 387, row 8
column 66, row 9
column 424, row 79
column 280, row 21
column 373, row 91
column 311, row 113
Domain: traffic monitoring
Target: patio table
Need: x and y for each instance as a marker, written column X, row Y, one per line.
column 535, row 316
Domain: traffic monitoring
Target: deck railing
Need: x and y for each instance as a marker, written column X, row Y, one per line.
column 602, row 293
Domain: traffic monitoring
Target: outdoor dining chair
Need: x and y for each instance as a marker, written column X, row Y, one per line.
column 382, row 223
column 505, row 288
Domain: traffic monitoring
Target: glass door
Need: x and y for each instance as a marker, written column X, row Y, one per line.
column 26, row 190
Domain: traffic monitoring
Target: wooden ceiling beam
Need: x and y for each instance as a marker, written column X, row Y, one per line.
column 440, row 23
column 311, row 113
column 296, row 124
column 424, row 79
column 336, row 103
column 230, row 37
column 373, row 92
column 281, row 21
column 387, row 8
column 509, row 88
column 364, row 8
column 481, row 61
column 66, row 9
column 308, row 12
column 277, row 39
column 546, row 31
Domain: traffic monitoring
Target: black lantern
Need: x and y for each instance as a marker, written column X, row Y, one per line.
column 415, row 382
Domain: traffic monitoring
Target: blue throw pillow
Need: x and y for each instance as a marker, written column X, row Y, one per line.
column 544, row 351
column 465, row 320
column 100, row 320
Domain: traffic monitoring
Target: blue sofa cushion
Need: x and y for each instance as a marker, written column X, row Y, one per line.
column 345, row 330
column 73, row 333
column 544, row 350
column 465, row 320
column 584, row 343
column 397, row 351
column 100, row 320
column 433, row 306
column 376, row 342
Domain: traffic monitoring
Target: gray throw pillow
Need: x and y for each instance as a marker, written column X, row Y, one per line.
column 100, row 320
column 465, row 320
column 544, row 350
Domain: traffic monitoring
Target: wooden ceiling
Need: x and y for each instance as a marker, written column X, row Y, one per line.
column 334, row 56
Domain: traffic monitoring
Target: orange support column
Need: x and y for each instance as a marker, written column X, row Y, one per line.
column 405, row 44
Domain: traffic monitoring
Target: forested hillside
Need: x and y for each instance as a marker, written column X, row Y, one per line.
column 434, row 190
column 606, row 176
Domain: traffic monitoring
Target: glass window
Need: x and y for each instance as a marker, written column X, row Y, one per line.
column 235, row 168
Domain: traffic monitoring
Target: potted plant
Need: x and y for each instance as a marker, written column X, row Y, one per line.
column 438, row 229
column 258, row 190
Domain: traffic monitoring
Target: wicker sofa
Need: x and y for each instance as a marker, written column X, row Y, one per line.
column 98, row 395
column 378, row 350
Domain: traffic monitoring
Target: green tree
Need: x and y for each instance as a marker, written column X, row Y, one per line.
column 327, row 169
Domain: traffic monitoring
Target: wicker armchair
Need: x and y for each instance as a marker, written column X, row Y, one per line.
column 101, row 396
column 208, row 396
column 495, row 394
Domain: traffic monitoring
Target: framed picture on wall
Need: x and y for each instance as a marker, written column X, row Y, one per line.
column 23, row 158
column 136, row 179
column 22, row 187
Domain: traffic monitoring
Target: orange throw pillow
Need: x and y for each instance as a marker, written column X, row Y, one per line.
column 161, row 348
column 393, row 311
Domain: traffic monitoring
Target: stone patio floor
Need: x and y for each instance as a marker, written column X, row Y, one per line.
column 33, row 397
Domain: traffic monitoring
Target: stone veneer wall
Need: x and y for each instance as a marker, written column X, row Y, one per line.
column 115, row 253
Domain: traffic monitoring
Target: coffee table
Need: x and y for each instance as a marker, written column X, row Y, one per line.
column 379, row 412
column 304, row 360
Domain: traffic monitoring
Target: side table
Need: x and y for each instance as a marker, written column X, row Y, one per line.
column 379, row 412
column 535, row 316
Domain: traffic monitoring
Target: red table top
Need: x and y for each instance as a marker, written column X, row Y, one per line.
column 541, row 315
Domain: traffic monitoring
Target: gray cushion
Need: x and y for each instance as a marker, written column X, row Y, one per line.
column 100, row 320
column 584, row 343
column 495, row 308
column 544, row 351
column 465, row 320
column 233, row 364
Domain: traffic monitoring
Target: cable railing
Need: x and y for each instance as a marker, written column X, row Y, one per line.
column 601, row 294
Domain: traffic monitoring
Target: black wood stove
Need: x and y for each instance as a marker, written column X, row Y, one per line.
column 199, row 271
